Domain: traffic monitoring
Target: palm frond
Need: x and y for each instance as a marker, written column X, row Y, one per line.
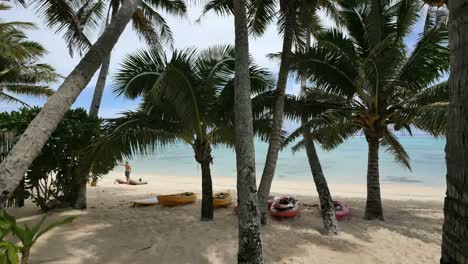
column 428, row 61
column 132, row 135
column 36, row 90
column 11, row 99
column 139, row 71
column 394, row 148
column 172, row 7
column 220, row 7
column 62, row 16
column 261, row 14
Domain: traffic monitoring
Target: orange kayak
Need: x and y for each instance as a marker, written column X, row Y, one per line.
column 177, row 199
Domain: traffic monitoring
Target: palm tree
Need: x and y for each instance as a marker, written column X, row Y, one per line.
column 19, row 71
column 382, row 83
column 455, row 229
column 250, row 243
column 295, row 17
column 77, row 19
column 330, row 224
column 189, row 98
column 28, row 147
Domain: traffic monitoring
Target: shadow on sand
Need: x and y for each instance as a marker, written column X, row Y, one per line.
column 111, row 231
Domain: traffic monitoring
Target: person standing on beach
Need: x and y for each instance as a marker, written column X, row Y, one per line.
column 128, row 169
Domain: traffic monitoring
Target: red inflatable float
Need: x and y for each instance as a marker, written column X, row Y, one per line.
column 341, row 209
column 285, row 207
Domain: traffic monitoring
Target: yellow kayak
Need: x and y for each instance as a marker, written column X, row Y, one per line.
column 177, row 199
column 222, row 199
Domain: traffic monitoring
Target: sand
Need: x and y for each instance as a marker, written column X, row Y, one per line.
column 111, row 231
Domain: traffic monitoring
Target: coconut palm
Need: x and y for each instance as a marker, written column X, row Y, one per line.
column 249, row 241
column 295, row 18
column 385, row 85
column 79, row 19
column 455, row 229
column 29, row 145
column 20, row 72
column 189, row 98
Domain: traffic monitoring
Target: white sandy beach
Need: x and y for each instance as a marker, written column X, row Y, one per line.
column 111, row 231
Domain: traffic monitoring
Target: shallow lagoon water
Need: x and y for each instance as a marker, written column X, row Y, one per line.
column 346, row 164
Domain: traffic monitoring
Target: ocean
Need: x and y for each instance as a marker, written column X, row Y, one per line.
column 347, row 164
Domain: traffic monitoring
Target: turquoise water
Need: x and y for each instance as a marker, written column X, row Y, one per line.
column 345, row 164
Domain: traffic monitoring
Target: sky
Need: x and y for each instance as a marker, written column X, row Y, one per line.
column 212, row 30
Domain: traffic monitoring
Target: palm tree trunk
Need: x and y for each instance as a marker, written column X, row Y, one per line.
column 278, row 111
column 80, row 185
column 25, row 256
column 99, row 90
column 101, row 81
column 79, row 201
column 203, row 156
column 28, row 147
column 207, row 192
column 250, row 243
column 455, row 229
column 374, row 202
column 330, row 224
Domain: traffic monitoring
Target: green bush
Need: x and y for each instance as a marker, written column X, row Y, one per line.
column 58, row 171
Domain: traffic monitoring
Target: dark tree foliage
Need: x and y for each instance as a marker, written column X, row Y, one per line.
column 53, row 174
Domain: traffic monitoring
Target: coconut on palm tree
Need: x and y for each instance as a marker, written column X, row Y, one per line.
column 188, row 98
column 386, row 85
column 20, row 72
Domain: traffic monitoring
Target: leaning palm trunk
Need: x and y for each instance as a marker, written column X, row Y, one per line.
column 278, row 112
column 28, row 147
column 102, row 78
column 250, row 242
column 203, row 156
column 455, row 229
column 374, row 202
column 99, row 90
column 330, row 224
column 79, row 197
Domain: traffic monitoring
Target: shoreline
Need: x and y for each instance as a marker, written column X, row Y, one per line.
column 390, row 191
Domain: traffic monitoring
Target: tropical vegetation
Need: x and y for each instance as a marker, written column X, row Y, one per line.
column 53, row 179
column 20, row 70
column 27, row 235
column 363, row 75
column 187, row 98
column 78, row 20
column 27, row 148
column 383, row 85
